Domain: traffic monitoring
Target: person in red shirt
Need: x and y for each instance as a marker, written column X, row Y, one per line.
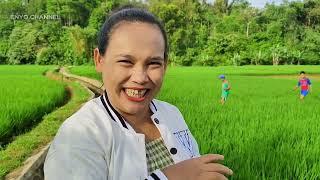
column 305, row 84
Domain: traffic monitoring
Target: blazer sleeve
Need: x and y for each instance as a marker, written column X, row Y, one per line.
column 75, row 163
column 76, row 155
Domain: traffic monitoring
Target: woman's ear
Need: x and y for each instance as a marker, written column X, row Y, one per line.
column 98, row 60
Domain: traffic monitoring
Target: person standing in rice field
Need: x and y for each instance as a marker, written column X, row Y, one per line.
column 225, row 89
column 305, row 84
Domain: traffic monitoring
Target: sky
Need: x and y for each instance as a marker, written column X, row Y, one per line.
column 260, row 3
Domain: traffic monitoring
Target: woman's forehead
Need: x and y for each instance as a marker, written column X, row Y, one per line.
column 135, row 28
column 137, row 37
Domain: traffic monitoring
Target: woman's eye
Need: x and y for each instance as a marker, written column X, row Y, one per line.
column 155, row 63
column 125, row 61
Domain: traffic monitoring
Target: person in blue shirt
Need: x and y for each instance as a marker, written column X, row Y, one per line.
column 305, row 84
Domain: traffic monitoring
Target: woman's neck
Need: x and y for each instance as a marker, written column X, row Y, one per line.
column 138, row 119
column 143, row 124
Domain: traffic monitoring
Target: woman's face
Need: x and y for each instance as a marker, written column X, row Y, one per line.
column 133, row 66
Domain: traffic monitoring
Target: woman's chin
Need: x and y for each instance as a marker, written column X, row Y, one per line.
column 135, row 105
column 135, row 109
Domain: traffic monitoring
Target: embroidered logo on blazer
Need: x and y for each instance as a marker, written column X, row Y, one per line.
column 184, row 139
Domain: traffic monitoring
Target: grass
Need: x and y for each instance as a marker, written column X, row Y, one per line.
column 25, row 145
column 26, row 95
column 264, row 130
column 87, row 71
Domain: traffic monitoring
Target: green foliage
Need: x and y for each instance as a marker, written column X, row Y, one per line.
column 25, row 144
column 99, row 14
column 20, row 106
column 226, row 32
column 72, row 12
column 3, row 51
column 49, row 55
column 260, row 129
column 23, row 44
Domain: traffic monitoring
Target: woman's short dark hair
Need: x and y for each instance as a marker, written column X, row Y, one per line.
column 129, row 14
column 302, row 72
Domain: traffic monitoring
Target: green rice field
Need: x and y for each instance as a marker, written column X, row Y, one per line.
column 264, row 130
column 25, row 95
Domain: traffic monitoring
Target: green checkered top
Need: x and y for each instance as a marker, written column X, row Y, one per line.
column 158, row 156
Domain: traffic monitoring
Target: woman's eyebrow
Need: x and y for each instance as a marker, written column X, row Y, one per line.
column 125, row 55
column 159, row 58
column 156, row 58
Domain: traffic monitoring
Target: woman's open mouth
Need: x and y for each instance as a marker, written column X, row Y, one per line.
column 136, row 95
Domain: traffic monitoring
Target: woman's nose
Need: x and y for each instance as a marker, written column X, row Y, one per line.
column 139, row 76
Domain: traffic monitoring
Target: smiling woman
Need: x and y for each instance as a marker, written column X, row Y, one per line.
column 126, row 133
column 132, row 72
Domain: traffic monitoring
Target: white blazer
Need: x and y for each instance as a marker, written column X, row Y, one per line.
column 96, row 143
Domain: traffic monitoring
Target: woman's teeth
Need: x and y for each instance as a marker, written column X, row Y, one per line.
column 135, row 93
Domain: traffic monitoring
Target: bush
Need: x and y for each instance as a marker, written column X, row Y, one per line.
column 3, row 51
column 23, row 45
column 49, row 55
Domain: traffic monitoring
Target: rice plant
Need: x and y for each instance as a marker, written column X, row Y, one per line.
column 25, row 95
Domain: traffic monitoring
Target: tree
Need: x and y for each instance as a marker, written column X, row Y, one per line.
column 224, row 6
column 23, row 44
column 72, row 12
column 227, row 32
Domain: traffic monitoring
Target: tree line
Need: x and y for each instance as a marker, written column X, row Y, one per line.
column 223, row 32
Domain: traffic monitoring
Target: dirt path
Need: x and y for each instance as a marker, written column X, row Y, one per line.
column 94, row 85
